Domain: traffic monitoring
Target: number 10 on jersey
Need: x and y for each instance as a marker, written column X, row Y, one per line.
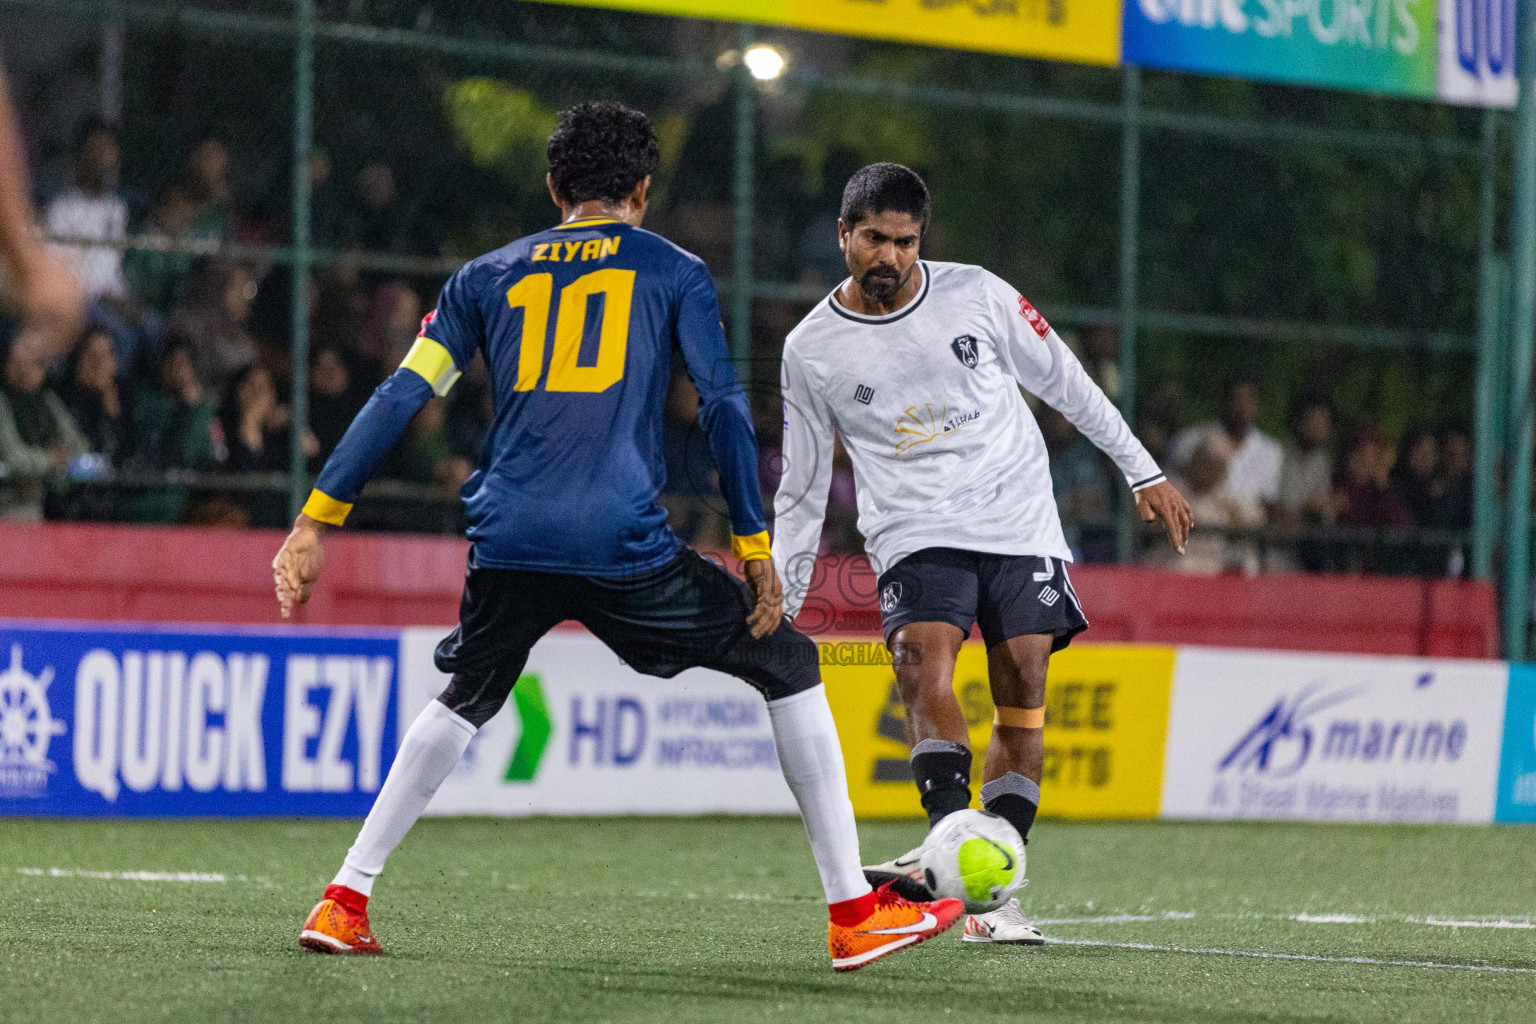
column 534, row 295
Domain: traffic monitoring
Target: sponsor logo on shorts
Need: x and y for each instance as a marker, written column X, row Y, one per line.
column 890, row 597
column 965, row 350
column 862, row 394
column 1049, row 596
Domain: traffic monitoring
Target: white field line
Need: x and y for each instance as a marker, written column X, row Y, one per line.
column 1257, row 955
column 130, row 876
column 1518, row 922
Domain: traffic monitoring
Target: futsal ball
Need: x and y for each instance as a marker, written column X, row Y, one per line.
column 976, row 857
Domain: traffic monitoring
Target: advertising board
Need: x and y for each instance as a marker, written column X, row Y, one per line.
column 139, row 721
column 1256, row 734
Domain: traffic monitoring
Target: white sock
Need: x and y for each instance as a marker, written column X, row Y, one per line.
column 432, row 746
column 812, row 760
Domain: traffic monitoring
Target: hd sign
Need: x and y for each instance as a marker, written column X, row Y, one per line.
column 586, row 734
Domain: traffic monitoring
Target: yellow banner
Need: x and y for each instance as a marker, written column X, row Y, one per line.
column 1086, row 31
column 1106, row 720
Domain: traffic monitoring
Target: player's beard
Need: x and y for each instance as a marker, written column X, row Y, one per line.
column 882, row 283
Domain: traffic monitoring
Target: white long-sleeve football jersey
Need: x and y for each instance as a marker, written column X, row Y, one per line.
column 945, row 451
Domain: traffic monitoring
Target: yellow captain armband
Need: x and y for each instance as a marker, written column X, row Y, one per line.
column 326, row 509
column 750, row 548
column 433, row 364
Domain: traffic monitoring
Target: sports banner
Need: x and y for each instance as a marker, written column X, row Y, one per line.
column 1459, row 51
column 1256, row 734
column 1106, row 716
column 139, row 721
column 586, row 734
column 1084, row 31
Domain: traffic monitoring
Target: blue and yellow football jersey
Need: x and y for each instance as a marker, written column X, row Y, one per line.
column 578, row 325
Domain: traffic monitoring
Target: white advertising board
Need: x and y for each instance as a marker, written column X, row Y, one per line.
column 586, row 734
column 1332, row 737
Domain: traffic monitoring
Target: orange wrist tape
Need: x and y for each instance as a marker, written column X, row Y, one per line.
column 1020, row 718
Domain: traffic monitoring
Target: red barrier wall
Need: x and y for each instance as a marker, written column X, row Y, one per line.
column 161, row 574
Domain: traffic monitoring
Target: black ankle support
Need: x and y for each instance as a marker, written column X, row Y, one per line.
column 1015, row 798
column 942, row 771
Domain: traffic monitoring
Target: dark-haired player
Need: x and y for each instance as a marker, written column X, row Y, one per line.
column 578, row 325
column 917, row 366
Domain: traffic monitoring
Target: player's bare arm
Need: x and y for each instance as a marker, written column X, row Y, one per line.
column 44, row 288
column 1162, row 501
column 298, row 563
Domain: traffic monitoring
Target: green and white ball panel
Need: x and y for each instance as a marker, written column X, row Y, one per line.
column 976, row 857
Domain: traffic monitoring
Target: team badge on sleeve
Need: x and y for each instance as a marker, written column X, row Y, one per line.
column 1032, row 314
column 426, row 322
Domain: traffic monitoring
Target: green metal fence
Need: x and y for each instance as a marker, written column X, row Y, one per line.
column 1117, row 120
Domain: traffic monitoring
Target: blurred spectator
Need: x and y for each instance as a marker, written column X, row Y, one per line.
column 207, row 186
column 1100, row 353
column 1305, row 493
column 333, row 399
column 390, row 326
column 1417, row 483
column 1453, row 509
column 1414, row 476
column 376, row 221
column 94, row 400
column 256, row 426
column 325, row 206
column 1206, row 482
column 38, row 439
column 174, row 429
column 91, row 208
column 1365, row 495
column 1159, row 417
column 424, row 455
column 1254, row 470
column 1081, row 486
column 212, row 320
column 159, row 276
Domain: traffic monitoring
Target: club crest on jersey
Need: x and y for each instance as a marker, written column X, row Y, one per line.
column 965, row 350
column 890, row 597
column 1032, row 314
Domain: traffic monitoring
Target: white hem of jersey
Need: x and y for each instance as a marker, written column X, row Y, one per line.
column 865, row 318
column 949, row 540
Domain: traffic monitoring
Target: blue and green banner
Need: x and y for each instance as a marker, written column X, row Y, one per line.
column 1461, row 51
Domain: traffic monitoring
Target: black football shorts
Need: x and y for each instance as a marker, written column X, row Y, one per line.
column 1007, row 595
column 688, row 613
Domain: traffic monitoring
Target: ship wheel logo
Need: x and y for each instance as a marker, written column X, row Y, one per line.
column 27, row 727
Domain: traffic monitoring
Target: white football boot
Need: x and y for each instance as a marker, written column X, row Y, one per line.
column 909, row 864
column 1006, row 924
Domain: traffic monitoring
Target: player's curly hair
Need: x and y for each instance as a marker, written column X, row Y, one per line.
column 885, row 188
column 601, row 150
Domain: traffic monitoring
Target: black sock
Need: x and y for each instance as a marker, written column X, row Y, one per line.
column 1014, row 798
column 942, row 771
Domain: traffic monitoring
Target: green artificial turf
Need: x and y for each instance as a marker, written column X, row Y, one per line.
column 721, row 919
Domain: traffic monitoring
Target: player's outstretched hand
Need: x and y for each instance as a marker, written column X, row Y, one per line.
column 1163, row 501
column 767, row 595
column 297, row 566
